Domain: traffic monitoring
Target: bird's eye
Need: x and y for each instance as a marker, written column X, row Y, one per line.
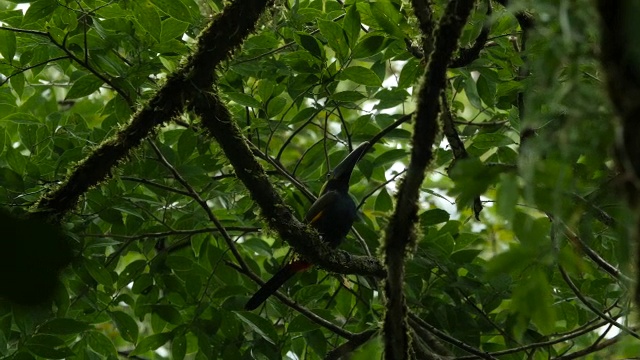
column 328, row 176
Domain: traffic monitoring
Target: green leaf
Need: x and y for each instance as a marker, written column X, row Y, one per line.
column 172, row 29
column 471, row 90
column 10, row 179
column 361, row 75
column 193, row 7
column 16, row 160
column 409, row 73
column 472, row 178
column 486, row 90
column 130, row 272
column 265, row 89
column 101, row 344
column 179, row 262
column 8, row 45
column 168, row 313
column 301, row 324
column 40, row 10
column 12, row 17
column 433, row 217
column 127, row 326
column 369, row 350
column 465, row 256
column 260, row 325
column 22, row 118
column 390, row 97
column 3, row 136
column 368, row 46
column 98, row 272
column 244, row 100
column 348, row 96
column 17, row 83
column 304, row 115
column 384, row 202
column 175, row 9
column 83, row 86
column 275, row 106
column 351, row 25
column 531, row 232
column 63, row 326
column 179, row 347
column 507, row 196
column 311, row 44
column 389, row 157
column 317, row 342
column 142, row 283
column 186, row 144
column 491, row 140
column 147, row 16
column 335, row 38
column 533, row 299
column 302, row 61
column 388, row 17
column 22, row 355
column 48, row 346
column 151, row 342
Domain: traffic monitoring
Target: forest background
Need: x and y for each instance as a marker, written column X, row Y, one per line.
column 155, row 155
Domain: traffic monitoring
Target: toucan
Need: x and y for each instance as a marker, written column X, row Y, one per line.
column 332, row 215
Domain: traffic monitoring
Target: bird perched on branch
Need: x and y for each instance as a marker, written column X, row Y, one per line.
column 332, row 215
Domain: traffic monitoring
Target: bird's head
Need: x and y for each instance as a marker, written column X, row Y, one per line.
column 338, row 178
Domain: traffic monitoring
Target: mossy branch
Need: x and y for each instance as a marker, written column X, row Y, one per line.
column 217, row 120
column 400, row 235
column 216, row 42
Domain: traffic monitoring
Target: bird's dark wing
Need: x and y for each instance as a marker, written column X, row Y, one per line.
column 319, row 206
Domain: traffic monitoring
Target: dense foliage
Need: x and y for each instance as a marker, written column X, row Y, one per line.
column 521, row 250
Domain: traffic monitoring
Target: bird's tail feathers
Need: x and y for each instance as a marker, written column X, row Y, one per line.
column 276, row 282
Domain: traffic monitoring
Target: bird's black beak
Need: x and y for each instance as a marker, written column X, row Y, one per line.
column 346, row 166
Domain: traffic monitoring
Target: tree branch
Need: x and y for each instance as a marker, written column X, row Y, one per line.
column 587, row 328
column 21, row 70
column 595, row 310
column 217, row 120
column 451, row 340
column 400, row 236
column 355, row 342
column 215, row 43
column 424, row 12
column 593, row 348
column 621, row 62
column 468, row 55
column 459, row 152
column 299, row 308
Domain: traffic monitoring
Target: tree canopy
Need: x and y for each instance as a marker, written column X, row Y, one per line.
column 155, row 157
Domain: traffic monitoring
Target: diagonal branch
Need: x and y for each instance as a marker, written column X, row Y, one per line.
column 217, row 120
column 468, row 55
column 22, row 70
column 591, row 307
column 449, row 339
column 225, row 33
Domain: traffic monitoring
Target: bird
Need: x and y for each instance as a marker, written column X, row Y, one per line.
column 332, row 215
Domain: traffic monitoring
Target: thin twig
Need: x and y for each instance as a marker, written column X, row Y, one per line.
column 21, row 70
column 294, row 305
column 595, row 310
column 203, row 204
column 449, row 339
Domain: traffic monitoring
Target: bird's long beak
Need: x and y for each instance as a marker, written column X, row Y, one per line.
column 346, row 166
